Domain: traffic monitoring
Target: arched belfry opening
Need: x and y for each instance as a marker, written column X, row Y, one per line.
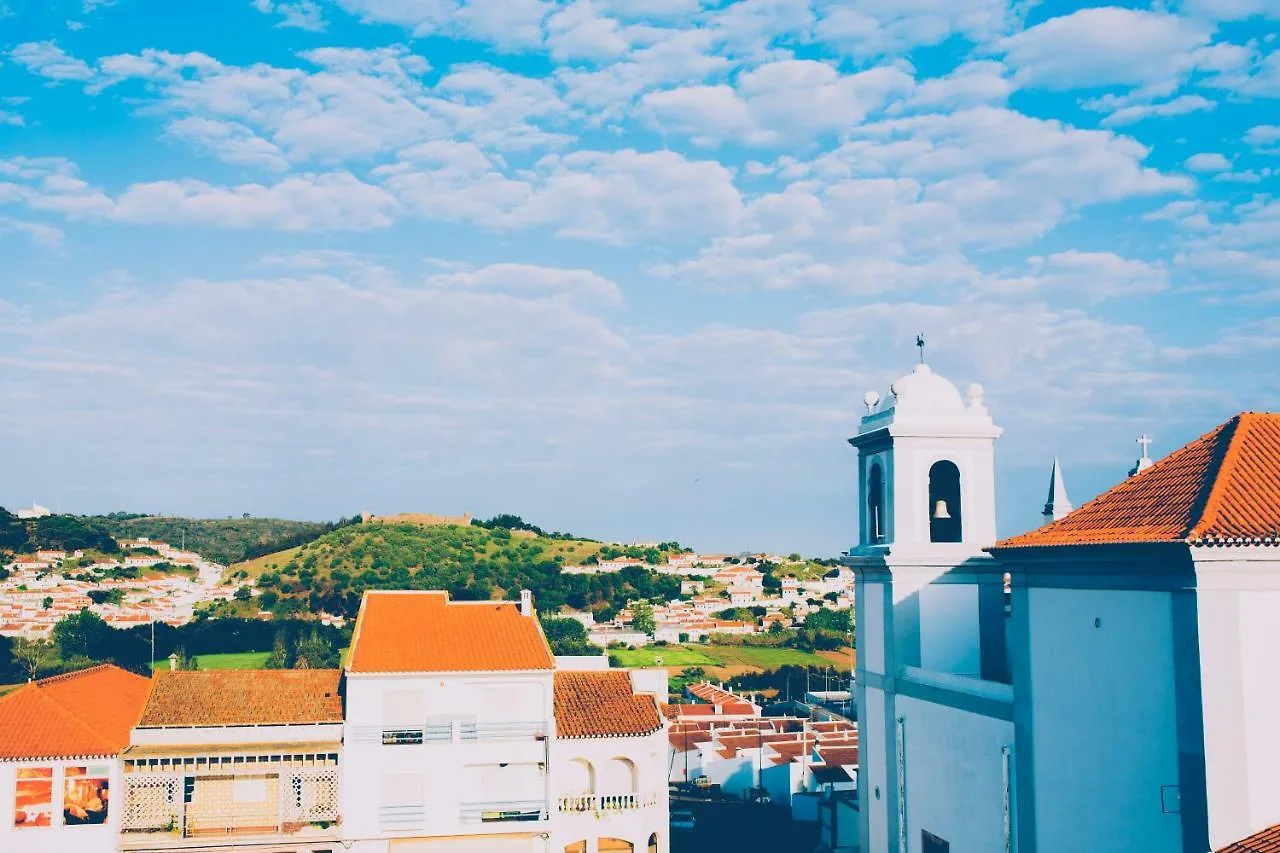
column 875, row 505
column 944, row 502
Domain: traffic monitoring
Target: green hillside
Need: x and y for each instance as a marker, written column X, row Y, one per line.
column 224, row 541
column 331, row 572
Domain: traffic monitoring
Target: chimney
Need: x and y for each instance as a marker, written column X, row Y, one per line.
column 173, row 661
column 526, row 603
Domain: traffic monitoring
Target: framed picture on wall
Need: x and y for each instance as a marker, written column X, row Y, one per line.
column 33, row 797
column 85, row 795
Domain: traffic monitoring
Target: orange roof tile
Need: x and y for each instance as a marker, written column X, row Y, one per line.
column 1265, row 841
column 602, row 704
column 425, row 632
column 838, row 756
column 229, row 697
column 89, row 712
column 1224, row 486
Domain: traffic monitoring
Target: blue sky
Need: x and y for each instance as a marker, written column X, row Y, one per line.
column 625, row 267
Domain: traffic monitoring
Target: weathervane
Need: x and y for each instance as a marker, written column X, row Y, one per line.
column 920, row 343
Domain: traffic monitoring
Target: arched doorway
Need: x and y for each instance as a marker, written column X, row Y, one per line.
column 653, row 842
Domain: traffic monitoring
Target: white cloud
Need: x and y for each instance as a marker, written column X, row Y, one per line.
column 1208, row 162
column 299, row 14
column 1262, row 136
column 229, row 141
column 303, row 202
column 1098, row 275
column 1128, row 109
column 1105, row 47
column 617, row 197
column 531, row 280
column 577, row 32
column 776, row 102
column 48, row 60
column 1230, row 10
column 872, row 27
column 38, row 232
column 973, row 83
column 11, row 118
column 506, row 24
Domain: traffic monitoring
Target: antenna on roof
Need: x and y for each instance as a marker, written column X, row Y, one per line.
column 920, row 344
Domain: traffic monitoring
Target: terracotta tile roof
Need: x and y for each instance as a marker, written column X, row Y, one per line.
column 839, row 756
column 425, row 632
column 602, row 704
column 1222, row 487
column 1266, row 841
column 81, row 713
column 230, row 697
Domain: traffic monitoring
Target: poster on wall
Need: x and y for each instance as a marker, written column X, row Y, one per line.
column 85, row 795
column 33, row 797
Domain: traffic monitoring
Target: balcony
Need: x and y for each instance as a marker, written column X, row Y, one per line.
column 455, row 732
column 502, row 810
column 192, row 800
column 602, row 803
column 393, row 818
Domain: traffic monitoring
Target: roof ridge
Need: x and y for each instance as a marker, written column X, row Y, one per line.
column 75, row 673
column 1208, row 505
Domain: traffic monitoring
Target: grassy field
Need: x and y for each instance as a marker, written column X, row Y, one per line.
column 728, row 657
column 234, row 660
column 267, row 563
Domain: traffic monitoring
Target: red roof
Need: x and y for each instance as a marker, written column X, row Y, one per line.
column 426, row 632
column 602, row 704
column 230, row 697
column 83, row 713
column 1266, row 841
column 1224, row 486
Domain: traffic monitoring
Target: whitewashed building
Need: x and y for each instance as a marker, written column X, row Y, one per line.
column 1121, row 697
column 60, row 740
column 454, row 712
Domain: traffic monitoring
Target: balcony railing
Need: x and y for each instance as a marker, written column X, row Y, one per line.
column 506, row 810
column 401, row 817
column 161, row 807
column 597, row 803
column 456, row 732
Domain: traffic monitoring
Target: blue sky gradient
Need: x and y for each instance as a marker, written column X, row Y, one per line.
column 624, row 267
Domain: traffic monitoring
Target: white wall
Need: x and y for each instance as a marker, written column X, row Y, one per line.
column 1239, row 631
column 1103, row 714
column 872, row 771
column 58, row 838
column 949, row 637
column 955, row 776
column 871, row 615
column 647, row 754
column 235, row 735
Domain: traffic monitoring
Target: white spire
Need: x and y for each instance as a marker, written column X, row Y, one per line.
column 1144, row 462
column 1058, row 503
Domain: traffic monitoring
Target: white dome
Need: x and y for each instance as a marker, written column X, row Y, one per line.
column 922, row 390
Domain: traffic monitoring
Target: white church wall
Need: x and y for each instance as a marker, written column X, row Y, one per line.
column 949, row 636
column 872, row 771
column 955, row 776
column 1238, row 598
column 871, row 615
column 1103, row 718
column 913, row 459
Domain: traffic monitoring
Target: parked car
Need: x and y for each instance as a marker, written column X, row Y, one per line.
column 703, row 782
column 682, row 819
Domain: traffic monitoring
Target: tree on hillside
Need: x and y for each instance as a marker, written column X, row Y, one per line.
column 642, row 618
column 567, row 637
column 13, row 533
column 32, row 656
column 84, row 634
column 315, row 651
